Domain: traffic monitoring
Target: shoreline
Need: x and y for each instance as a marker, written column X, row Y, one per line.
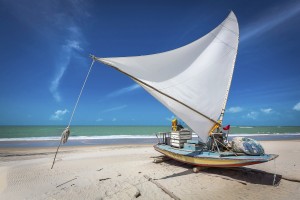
column 126, row 141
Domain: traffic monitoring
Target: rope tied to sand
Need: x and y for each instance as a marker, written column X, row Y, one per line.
column 65, row 134
column 274, row 179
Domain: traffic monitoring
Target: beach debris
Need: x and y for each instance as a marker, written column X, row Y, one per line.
column 119, row 174
column 160, row 159
column 99, row 170
column 104, row 179
column 137, row 193
column 66, row 182
column 168, row 192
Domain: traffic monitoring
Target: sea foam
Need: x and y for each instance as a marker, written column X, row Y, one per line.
column 119, row 137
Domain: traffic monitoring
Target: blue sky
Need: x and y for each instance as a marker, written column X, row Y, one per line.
column 45, row 47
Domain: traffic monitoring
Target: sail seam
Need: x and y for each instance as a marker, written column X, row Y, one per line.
column 229, row 30
column 188, row 79
column 223, row 42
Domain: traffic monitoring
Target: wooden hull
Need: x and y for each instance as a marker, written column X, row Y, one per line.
column 211, row 159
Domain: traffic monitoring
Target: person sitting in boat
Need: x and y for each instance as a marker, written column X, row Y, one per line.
column 176, row 126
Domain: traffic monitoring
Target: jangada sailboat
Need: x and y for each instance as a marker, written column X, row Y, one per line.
column 193, row 82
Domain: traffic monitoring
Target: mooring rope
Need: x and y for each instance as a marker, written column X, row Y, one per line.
column 275, row 173
column 65, row 134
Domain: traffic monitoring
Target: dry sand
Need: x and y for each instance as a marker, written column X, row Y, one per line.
column 121, row 172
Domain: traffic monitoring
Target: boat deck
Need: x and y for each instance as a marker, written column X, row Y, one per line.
column 214, row 159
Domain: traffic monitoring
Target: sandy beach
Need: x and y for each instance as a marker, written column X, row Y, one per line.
column 128, row 172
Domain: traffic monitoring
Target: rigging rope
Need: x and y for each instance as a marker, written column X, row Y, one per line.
column 81, row 92
column 65, row 134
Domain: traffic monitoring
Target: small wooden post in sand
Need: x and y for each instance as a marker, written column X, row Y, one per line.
column 197, row 169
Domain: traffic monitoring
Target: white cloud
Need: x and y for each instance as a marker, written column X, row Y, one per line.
column 74, row 30
column 59, row 74
column 124, row 90
column 252, row 115
column 270, row 21
column 99, row 120
column 234, row 109
column 266, row 110
column 62, row 65
column 74, row 45
column 58, row 115
column 114, row 119
column 114, row 109
column 297, row 107
column 72, row 35
column 47, row 19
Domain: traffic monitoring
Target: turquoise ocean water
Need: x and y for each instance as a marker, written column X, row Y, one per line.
column 10, row 133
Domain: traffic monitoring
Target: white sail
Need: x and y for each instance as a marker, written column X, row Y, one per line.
column 191, row 81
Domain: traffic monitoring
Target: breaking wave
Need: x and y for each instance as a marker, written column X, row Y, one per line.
column 120, row 137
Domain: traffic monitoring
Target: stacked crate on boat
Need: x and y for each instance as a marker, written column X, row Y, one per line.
column 178, row 138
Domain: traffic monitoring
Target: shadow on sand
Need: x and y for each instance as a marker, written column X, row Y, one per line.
column 242, row 175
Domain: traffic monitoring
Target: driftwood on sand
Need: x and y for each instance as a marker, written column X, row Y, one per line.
column 171, row 194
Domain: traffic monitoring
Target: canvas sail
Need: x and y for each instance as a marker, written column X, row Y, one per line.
column 192, row 81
